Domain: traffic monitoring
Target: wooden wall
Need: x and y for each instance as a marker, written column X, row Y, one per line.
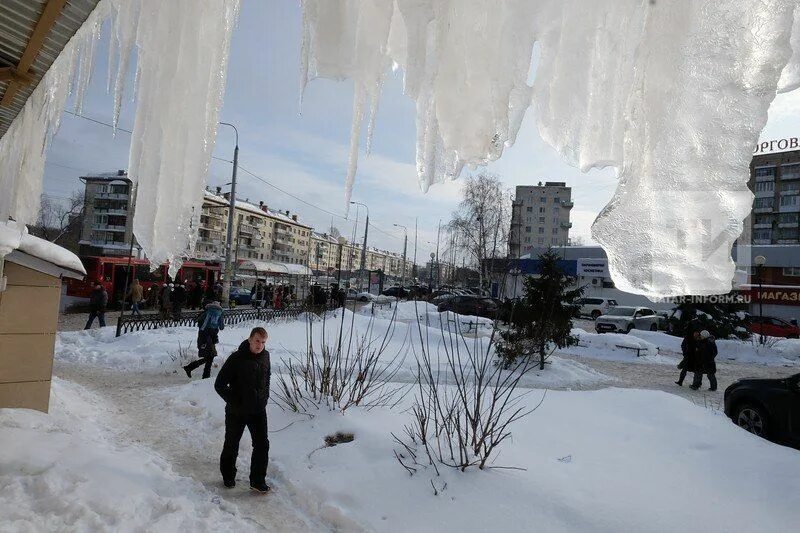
column 28, row 323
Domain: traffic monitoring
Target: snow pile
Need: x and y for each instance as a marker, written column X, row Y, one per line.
column 641, row 86
column 615, row 347
column 182, row 54
column 64, row 472
column 610, row 460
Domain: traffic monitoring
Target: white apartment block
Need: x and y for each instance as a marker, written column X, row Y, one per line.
column 540, row 217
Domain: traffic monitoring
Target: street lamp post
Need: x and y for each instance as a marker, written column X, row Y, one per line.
column 364, row 248
column 405, row 246
column 760, row 261
column 226, row 286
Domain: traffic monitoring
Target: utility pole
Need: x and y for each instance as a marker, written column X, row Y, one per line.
column 226, row 286
column 363, row 249
column 405, row 246
column 438, row 232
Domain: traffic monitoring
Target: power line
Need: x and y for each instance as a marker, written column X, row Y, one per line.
column 252, row 174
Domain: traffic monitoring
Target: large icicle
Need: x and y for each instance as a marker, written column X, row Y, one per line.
column 672, row 94
column 182, row 64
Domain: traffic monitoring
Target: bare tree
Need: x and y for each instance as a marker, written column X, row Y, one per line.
column 482, row 221
column 57, row 218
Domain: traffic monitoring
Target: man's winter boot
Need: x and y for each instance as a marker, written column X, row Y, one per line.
column 229, row 483
column 261, row 488
column 188, row 372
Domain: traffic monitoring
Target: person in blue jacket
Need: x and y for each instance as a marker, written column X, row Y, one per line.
column 210, row 323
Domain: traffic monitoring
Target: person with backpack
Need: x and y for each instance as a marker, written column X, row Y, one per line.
column 210, row 322
column 706, row 353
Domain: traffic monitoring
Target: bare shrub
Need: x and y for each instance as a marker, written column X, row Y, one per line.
column 347, row 370
column 464, row 405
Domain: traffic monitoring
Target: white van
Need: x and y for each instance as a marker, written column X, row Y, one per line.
column 595, row 307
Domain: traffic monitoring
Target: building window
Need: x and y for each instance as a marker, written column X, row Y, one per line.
column 541, row 231
column 791, row 271
column 541, row 241
column 541, row 220
column 554, row 240
column 555, row 210
column 555, row 200
column 541, row 209
column 529, row 209
column 788, row 218
column 761, row 203
column 787, row 201
column 555, row 220
column 762, row 234
column 765, row 172
column 555, row 231
column 763, row 186
column 527, row 239
column 527, row 229
column 790, row 172
column 543, row 199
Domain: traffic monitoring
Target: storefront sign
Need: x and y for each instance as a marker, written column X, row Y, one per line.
column 776, row 145
column 593, row 268
column 779, row 296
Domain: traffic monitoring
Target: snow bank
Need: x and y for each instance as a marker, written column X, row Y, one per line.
column 64, row 472
column 610, row 460
column 410, row 312
column 641, row 86
column 659, row 347
column 166, row 350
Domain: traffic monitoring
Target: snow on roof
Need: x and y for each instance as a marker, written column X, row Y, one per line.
column 255, row 209
column 13, row 238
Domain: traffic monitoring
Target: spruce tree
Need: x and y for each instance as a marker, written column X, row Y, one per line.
column 542, row 319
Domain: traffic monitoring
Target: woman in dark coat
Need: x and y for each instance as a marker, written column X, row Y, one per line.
column 689, row 363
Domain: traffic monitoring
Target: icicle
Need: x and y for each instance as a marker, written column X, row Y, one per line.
column 374, row 100
column 355, row 136
column 642, row 86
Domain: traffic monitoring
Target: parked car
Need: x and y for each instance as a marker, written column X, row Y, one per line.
column 772, row 327
column 470, row 305
column 622, row 319
column 769, row 408
column 360, row 296
column 594, row 307
column 240, row 295
column 397, row 292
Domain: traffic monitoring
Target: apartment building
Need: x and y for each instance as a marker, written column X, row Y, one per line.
column 323, row 253
column 108, row 215
column 775, row 182
column 540, row 217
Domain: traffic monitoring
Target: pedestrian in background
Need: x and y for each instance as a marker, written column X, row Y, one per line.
column 689, row 351
column 209, row 323
column 706, row 355
column 166, row 304
column 98, row 300
column 178, row 298
column 136, row 294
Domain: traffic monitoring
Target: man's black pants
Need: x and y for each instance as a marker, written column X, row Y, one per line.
column 256, row 423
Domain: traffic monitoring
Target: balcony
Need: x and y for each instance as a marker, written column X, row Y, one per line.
column 108, row 227
column 790, row 191
column 568, row 204
column 765, row 194
column 108, row 211
column 209, row 242
column 767, row 225
column 793, row 175
column 769, row 209
column 771, row 177
column 566, row 225
column 788, row 224
column 112, row 195
column 787, row 241
column 762, row 241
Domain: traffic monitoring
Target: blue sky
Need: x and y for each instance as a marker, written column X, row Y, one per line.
column 306, row 154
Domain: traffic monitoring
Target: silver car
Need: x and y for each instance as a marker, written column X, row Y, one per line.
column 623, row 319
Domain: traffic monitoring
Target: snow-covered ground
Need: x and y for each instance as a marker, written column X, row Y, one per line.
column 657, row 347
column 140, row 447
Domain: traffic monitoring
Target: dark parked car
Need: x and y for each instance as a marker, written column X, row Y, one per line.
column 240, row 295
column 397, row 292
column 772, row 327
column 769, row 408
column 470, row 305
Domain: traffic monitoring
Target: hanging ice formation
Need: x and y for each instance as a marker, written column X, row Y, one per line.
column 673, row 94
column 182, row 50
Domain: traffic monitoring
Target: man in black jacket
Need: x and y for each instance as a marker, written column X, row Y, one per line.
column 706, row 353
column 243, row 382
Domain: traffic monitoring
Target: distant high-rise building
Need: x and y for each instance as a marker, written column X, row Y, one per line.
column 540, row 217
column 775, row 182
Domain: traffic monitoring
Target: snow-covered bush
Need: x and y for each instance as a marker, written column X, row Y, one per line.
column 723, row 320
